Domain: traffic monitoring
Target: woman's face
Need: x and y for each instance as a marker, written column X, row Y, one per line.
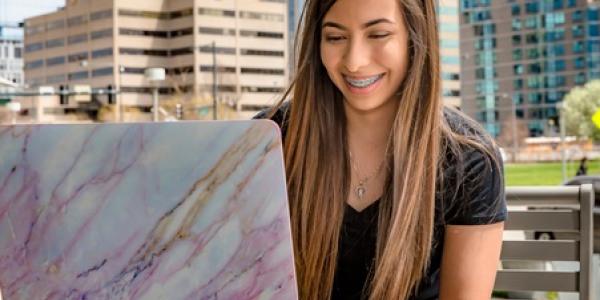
column 364, row 47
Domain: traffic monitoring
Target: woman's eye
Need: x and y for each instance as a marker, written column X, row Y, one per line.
column 379, row 35
column 334, row 38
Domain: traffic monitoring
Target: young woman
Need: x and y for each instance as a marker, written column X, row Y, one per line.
column 392, row 196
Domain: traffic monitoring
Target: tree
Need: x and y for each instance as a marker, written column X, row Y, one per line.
column 580, row 104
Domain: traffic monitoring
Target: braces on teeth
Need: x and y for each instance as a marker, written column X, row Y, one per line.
column 363, row 82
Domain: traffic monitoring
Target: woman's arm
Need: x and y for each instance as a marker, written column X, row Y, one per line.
column 470, row 260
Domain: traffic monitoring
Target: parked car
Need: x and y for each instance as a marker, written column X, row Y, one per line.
column 578, row 180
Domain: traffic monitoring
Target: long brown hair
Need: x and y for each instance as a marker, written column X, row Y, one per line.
column 317, row 161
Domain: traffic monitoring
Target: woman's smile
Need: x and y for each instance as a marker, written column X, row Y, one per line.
column 364, row 84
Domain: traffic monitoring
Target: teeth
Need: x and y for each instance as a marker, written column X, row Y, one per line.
column 362, row 83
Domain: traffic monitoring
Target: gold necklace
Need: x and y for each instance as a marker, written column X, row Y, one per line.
column 361, row 189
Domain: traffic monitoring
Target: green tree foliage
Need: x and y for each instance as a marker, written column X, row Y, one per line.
column 580, row 105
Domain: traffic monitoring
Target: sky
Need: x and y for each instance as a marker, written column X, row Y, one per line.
column 15, row 11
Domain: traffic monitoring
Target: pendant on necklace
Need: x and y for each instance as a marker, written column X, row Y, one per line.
column 361, row 190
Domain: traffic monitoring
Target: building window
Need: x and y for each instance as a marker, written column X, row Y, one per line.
column 56, row 24
column 261, row 16
column 217, row 31
column 180, row 70
column 182, row 51
column 34, row 29
column 34, row 64
column 102, row 52
column 181, row 32
column 257, row 89
column 532, row 7
column 76, row 21
column 103, row 14
column 56, row 79
column 261, row 52
column 147, row 52
column 261, row 34
column 220, row 69
column 578, row 47
column 449, row 43
column 144, row 14
column 34, row 47
column 580, row 78
column 55, row 43
column 219, row 50
column 531, row 22
column 262, row 71
column 517, row 54
column 18, row 52
column 516, row 24
column 516, row 39
column 450, row 60
column 181, row 13
column 579, row 62
column 78, row 57
column 138, row 32
column 59, row 60
column 518, row 84
column 518, row 69
column 220, row 88
column 515, row 9
column 102, row 72
column 78, row 75
column 577, row 16
column 450, row 76
column 132, row 70
column 76, row 39
column 216, row 12
column 105, row 33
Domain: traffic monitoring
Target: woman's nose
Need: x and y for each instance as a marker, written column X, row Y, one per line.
column 356, row 56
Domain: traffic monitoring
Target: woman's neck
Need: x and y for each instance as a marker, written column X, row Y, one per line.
column 370, row 128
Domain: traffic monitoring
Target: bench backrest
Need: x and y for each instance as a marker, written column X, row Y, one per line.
column 549, row 209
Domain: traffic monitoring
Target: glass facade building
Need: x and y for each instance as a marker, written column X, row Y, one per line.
column 449, row 32
column 519, row 58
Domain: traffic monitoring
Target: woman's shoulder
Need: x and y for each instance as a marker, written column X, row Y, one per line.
column 473, row 185
column 277, row 113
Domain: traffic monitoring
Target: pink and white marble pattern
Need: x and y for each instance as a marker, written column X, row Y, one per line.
column 186, row 210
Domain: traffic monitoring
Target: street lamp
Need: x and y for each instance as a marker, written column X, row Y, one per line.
column 155, row 75
column 14, row 108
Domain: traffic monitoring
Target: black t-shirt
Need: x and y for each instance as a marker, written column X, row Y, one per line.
column 472, row 194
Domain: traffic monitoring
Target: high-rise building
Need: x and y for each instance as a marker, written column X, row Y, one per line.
column 11, row 60
column 294, row 13
column 449, row 51
column 519, row 59
column 111, row 43
column 11, row 35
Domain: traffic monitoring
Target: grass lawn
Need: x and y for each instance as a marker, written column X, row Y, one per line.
column 543, row 173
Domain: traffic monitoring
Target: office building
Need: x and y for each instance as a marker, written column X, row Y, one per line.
column 448, row 15
column 520, row 58
column 110, row 44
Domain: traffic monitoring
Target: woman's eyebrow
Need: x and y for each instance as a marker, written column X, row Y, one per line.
column 364, row 26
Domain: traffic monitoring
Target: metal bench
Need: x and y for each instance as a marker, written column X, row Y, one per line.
column 565, row 208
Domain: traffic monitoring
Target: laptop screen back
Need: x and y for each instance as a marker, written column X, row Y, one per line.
column 187, row 210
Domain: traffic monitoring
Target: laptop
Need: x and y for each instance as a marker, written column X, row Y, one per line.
column 185, row 210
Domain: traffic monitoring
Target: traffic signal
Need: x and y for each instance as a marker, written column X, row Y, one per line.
column 111, row 94
column 64, row 97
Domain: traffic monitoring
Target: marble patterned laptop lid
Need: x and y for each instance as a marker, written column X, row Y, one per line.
column 186, row 210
